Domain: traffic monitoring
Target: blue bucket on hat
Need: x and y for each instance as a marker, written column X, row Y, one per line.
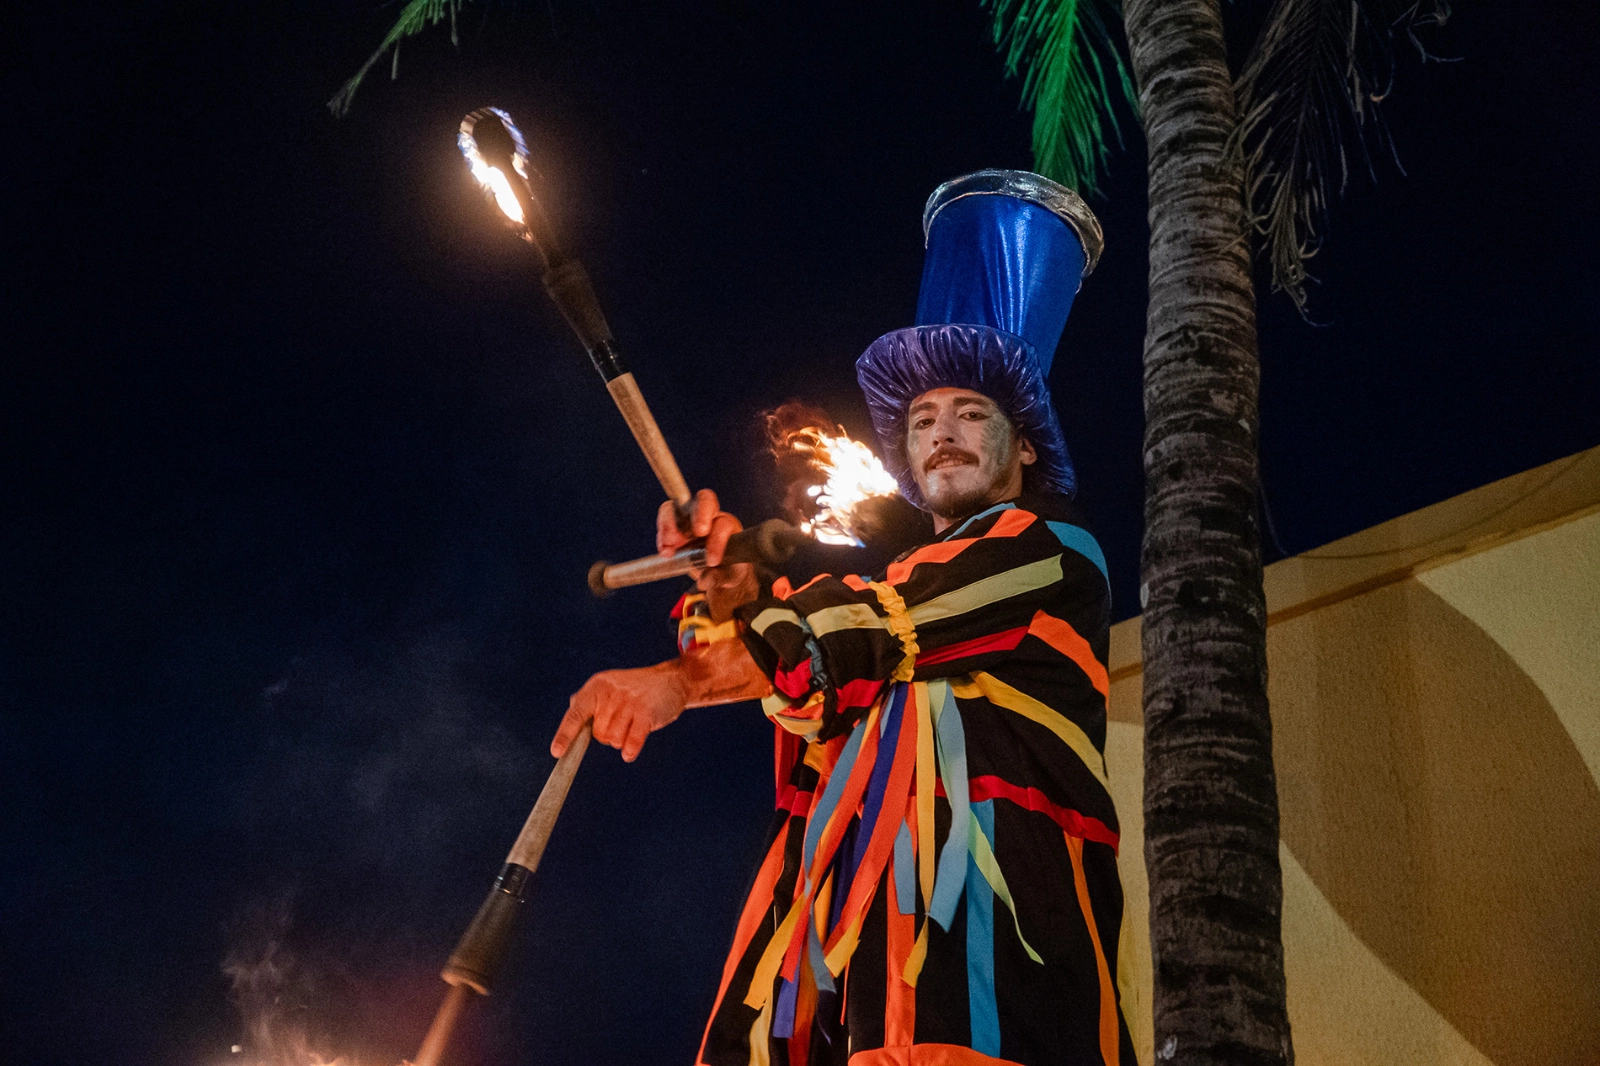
column 1006, row 253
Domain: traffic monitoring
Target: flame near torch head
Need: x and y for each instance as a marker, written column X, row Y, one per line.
column 491, row 143
column 835, row 474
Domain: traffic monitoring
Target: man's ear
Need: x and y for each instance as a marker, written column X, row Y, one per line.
column 1026, row 450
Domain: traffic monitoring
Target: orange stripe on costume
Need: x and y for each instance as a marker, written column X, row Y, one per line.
column 1108, row 995
column 900, row 1006
column 1008, row 524
column 755, row 910
column 1064, row 639
column 926, row 1055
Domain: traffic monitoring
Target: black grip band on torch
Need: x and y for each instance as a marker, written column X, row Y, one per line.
column 572, row 292
column 770, row 544
column 482, row 950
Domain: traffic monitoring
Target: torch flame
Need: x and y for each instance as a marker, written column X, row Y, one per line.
column 853, row 476
column 493, row 180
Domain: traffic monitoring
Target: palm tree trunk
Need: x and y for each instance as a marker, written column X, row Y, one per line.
column 1211, row 806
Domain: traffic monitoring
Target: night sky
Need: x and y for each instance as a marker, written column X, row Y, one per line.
column 301, row 473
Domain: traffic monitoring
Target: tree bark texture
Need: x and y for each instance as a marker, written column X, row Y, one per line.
column 1211, row 806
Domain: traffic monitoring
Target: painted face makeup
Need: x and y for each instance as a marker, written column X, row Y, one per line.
column 964, row 452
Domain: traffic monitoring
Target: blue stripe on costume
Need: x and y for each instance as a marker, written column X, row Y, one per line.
column 982, row 1008
column 830, row 795
column 872, row 802
column 981, row 514
column 905, row 870
column 952, row 740
column 783, row 1017
column 1081, row 541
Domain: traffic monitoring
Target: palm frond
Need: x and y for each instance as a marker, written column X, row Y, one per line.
column 414, row 17
column 1073, row 79
column 1308, row 102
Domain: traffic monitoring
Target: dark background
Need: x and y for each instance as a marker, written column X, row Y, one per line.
column 301, row 474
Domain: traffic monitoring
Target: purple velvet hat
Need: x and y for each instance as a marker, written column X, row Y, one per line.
column 1006, row 253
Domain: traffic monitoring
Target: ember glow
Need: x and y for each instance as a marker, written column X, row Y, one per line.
column 853, row 476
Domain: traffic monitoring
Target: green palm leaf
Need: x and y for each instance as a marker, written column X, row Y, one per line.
column 1073, row 78
column 414, row 17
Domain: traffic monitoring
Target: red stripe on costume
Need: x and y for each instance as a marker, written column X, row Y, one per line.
column 990, row 787
column 1002, row 641
column 793, row 683
column 786, row 753
column 805, row 1009
column 860, row 693
column 1009, row 524
column 794, row 801
column 1064, row 639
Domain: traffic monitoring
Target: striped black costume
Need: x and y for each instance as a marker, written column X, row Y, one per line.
column 941, row 883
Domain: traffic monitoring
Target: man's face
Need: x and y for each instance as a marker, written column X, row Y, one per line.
column 964, row 453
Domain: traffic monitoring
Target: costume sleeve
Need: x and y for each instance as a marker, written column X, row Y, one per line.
column 949, row 608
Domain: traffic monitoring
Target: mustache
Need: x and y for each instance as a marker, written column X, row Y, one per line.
column 948, row 451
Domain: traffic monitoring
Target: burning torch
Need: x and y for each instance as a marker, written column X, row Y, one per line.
column 498, row 156
column 846, row 494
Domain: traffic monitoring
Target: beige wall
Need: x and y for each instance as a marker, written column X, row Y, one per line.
column 1435, row 686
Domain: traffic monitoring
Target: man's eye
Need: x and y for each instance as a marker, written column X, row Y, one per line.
column 922, row 423
column 975, row 416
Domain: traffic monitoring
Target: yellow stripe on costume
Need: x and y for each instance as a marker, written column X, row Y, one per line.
column 772, row 958
column 983, row 858
column 846, row 946
column 795, row 719
column 981, row 593
column 845, row 616
column 997, row 692
column 771, row 617
column 706, row 631
column 759, row 1031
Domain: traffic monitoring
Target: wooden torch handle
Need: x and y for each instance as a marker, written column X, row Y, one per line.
column 529, row 846
column 630, row 401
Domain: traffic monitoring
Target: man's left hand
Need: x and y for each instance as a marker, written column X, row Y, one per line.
column 626, row 706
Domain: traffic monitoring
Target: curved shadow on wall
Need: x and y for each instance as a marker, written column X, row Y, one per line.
column 1433, row 796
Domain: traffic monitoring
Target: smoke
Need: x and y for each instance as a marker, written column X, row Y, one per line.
column 377, row 783
column 387, row 755
column 286, row 1008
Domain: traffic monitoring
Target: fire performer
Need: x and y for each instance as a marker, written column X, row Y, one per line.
column 941, row 886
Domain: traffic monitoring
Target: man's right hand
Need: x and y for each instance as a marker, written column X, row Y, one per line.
column 707, row 520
